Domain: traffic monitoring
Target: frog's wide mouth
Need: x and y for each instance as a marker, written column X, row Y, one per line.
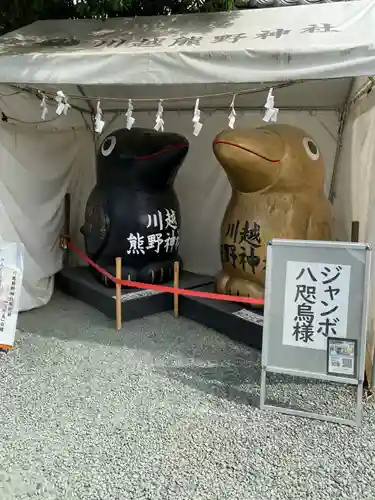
column 175, row 147
column 233, row 144
column 168, row 149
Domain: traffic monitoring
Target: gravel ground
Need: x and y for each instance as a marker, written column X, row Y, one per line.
column 163, row 410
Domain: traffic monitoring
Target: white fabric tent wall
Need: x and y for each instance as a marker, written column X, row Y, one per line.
column 38, row 165
column 355, row 188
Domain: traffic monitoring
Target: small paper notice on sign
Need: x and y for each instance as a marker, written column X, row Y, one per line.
column 249, row 316
column 341, row 357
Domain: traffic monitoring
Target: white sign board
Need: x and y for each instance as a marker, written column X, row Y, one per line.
column 11, row 275
column 316, row 304
column 315, row 317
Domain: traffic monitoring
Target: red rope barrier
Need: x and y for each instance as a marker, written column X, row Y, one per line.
column 163, row 288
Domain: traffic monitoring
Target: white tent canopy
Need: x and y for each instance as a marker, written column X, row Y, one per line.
column 328, row 46
column 313, row 41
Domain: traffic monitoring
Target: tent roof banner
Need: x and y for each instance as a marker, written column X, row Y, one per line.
column 330, row 40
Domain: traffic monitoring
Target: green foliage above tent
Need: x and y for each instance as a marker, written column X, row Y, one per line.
column 17, row 13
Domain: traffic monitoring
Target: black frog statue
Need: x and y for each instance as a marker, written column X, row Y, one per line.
column 133, row 211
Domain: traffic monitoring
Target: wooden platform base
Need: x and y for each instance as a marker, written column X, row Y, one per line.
column 237, row 322
column 80, row 284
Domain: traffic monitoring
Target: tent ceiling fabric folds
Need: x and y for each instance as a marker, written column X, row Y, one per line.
column 308, row 42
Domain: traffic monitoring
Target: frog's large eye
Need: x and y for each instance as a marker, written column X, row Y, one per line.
column 311, row 148
column 108, row 145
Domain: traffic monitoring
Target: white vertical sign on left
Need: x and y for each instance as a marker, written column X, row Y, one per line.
column 11, row 276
